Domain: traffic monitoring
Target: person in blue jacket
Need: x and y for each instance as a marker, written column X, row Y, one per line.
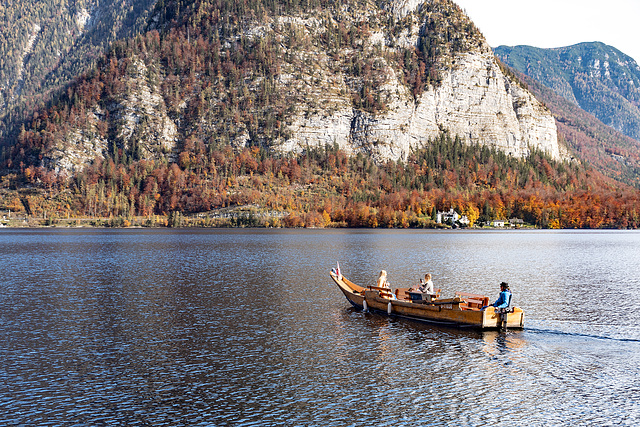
column 504, row 299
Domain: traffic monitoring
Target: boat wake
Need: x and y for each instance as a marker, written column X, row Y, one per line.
column 615, row 336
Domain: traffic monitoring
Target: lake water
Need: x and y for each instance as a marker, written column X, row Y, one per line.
column 244, row 327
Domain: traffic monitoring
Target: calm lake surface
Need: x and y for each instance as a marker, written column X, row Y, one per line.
column 244, row 327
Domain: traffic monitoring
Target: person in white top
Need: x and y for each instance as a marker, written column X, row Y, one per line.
column 426, row 285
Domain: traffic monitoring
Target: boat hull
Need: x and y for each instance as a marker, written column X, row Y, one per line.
column 452, row 312
column 353, row 292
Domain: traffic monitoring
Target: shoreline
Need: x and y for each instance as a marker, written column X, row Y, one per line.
column 162, row 223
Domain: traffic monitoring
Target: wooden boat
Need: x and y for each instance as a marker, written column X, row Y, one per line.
column 463, row 310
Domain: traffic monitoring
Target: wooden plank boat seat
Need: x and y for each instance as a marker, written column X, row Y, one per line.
column 473, row 301
column 467, row 294
column 405, row 294
column 384, row 292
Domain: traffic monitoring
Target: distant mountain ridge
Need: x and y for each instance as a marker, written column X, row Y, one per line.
column 598, row 78
column 604, row 148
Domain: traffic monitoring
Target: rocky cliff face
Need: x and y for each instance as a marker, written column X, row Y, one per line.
column 474, row 100
column 374, row 79
column 138, row 116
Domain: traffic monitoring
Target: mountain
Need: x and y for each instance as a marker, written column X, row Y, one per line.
column 377, row 78
column 606, row 149
column 302, row 113
column 45, row 44
column 598, row 78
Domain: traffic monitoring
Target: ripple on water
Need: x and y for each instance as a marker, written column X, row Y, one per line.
column 243, row 328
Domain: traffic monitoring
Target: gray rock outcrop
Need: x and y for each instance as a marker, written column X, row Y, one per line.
column 474, row 100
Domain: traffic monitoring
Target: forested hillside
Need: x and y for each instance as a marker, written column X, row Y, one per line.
column 44, row 44
column 601, row 146
column 598, row 78
column 326, row 188
column 194, row 117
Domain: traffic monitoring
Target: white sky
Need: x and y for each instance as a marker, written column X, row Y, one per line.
column 557, row 23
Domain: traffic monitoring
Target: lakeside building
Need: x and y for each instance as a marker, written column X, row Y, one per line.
column 451, row 216
column 516, row 222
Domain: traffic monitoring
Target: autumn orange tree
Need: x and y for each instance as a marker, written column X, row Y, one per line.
column 324, row 187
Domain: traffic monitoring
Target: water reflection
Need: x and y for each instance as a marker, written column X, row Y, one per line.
column 499, row 342
column 242, row 327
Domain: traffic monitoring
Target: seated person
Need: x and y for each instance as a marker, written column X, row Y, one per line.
column 382, row 280
column 426, row 285
column 504, row 299
column 426, row 288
